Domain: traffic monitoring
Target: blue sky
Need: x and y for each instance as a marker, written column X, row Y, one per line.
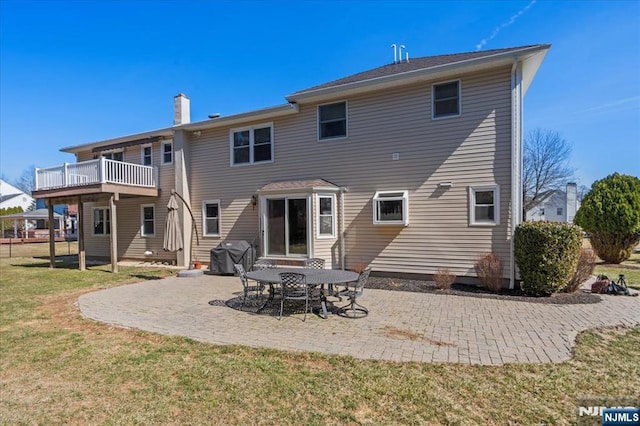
column 81, row 71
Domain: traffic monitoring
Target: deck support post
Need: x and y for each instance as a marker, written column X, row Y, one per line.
column 82, row 264
column 114, row 233
column 52, row 235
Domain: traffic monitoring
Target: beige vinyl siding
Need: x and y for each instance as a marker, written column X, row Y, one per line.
column 130, row 244
column 472, row 149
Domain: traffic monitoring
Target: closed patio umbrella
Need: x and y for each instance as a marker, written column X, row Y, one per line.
column 172, row 234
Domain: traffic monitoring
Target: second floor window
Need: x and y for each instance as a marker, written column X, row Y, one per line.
column 167, row 152
column 446, row 99
column 147, row 155
column 332, row 121
column 252, row 145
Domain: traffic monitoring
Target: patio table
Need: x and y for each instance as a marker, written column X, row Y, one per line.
column 314, row 277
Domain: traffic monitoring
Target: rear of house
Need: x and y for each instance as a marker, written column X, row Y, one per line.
column 408, row 168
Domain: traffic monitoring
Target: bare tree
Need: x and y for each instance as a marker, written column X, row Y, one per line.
column 581, row 192
column 546, row 166
column 26, row 182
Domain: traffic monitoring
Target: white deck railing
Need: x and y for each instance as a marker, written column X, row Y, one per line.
column 91, row 172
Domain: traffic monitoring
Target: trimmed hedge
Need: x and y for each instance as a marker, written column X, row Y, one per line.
column 547, row 255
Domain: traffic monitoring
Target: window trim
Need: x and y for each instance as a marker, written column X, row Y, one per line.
column 346, row 121
column 162, row 152
column 334, row 220
column 142, row 148
column 433, row 100
column 93, row 225
column 251, row 130
column 204, row 218
column 142, row 220
column 496, row 205
column 387, row 196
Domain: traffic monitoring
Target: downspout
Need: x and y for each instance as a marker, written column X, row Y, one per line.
column 343, row 255
column 516, row 161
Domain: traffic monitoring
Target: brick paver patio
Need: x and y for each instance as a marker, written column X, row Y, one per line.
column 401, row 326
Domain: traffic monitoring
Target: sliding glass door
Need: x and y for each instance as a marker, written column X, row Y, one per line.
column 287, row 224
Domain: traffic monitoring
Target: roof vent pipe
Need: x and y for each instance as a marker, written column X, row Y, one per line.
column 402, row 46
column 395, row 57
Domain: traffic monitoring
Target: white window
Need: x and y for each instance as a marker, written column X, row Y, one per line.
column 326, row 216
column 147, row 155
column 559, row 211
column 211, row 218
column 114, row 155
column 167, row 152
column 446, row 99
column 101, row 221
column 252, row 145
column 391, row 208
column 148, row 219
column 332, row 121
column 484, row 205
column 542, row 212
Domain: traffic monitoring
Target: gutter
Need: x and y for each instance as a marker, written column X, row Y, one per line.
column 516, row 161
column 230, row 120
column 343, row 234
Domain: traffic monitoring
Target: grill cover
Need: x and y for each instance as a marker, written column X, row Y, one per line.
column 229, row 252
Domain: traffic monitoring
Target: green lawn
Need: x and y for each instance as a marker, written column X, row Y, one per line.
column 58, row 368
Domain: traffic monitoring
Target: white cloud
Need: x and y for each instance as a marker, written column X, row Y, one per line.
column 506, row 24
column 619, row 105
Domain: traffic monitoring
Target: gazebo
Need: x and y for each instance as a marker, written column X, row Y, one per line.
column 39, row 214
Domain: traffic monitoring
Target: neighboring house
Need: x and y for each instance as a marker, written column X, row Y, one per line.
column 557, row 206
column 69, row 213
column 409, row 167
column 10, row 196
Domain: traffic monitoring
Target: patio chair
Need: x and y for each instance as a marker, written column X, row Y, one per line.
column 293, row 286
column 247, row 289
column 317, row 263
column 261, row 264
column 314, row 263
column 354, row 291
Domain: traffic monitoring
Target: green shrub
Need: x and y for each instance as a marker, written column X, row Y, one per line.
column 547, row 254
column 610, row 212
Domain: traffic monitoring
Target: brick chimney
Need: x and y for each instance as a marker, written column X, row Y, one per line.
column 572, row 201
column 181, row 113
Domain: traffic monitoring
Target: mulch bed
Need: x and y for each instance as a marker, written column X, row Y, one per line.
column 396, row 284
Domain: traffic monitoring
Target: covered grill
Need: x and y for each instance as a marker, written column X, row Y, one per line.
column 229, row 252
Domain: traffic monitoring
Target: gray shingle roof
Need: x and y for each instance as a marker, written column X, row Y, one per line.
column 413, row 64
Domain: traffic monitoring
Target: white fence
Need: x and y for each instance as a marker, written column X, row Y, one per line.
column 91, row 172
